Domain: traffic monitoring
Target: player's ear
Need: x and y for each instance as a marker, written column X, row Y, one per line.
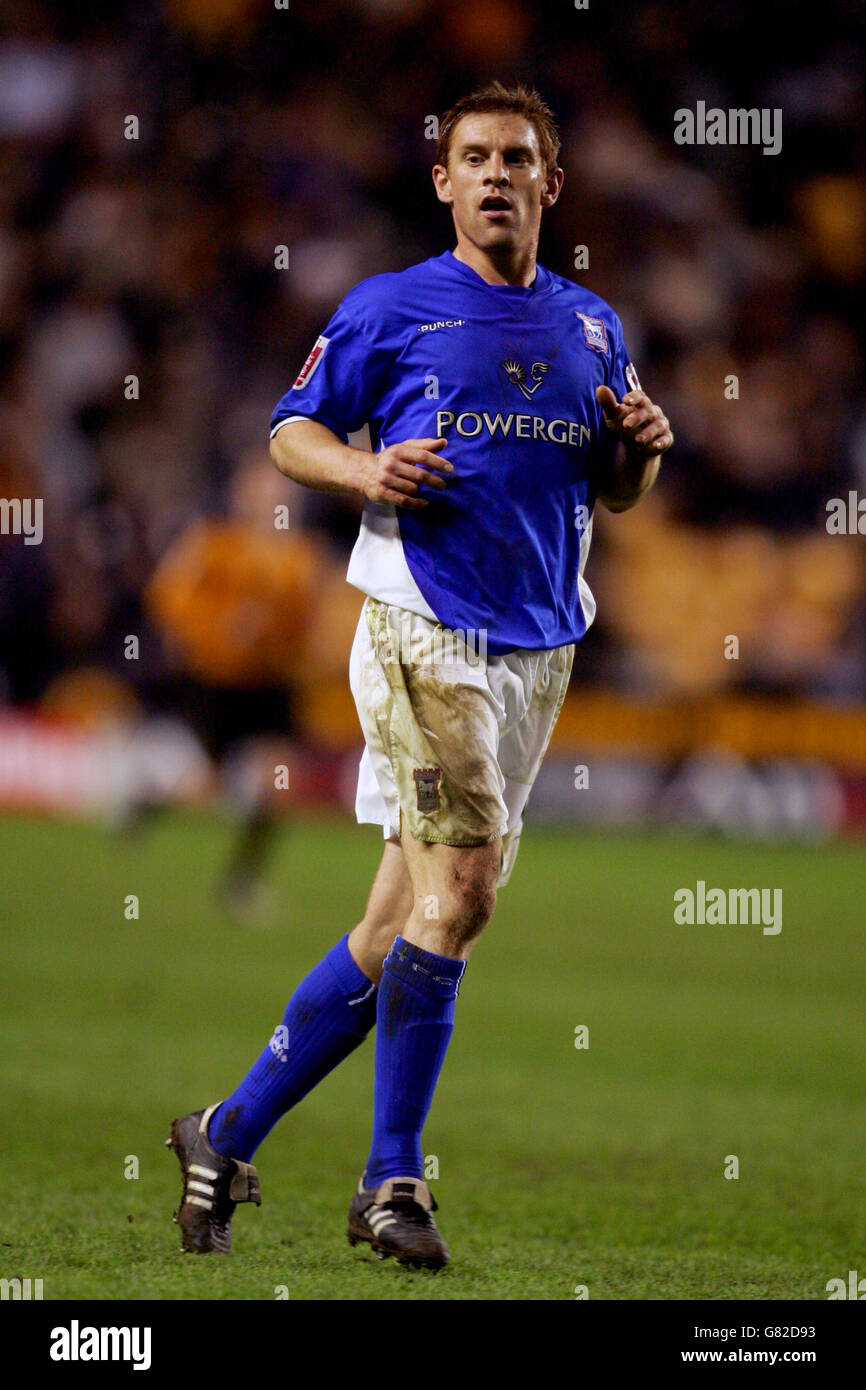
column 552, row 187
column 442, row 184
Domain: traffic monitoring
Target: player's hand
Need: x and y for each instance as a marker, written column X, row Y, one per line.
column 395, row 474
column 642, row 426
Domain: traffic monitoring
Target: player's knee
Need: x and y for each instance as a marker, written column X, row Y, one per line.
column 470, row 899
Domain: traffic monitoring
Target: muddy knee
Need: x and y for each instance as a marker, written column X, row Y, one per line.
column 466, row 904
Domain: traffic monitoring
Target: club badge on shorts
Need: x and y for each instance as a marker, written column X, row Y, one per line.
column 427, row 786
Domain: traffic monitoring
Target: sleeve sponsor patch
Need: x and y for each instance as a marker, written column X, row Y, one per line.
column 631, row 377
column 311, row 363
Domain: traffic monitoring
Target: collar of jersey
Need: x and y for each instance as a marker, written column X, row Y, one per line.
column 514, row 291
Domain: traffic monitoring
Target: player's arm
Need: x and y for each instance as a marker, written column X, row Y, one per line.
column 311, row 454
column 644, row 434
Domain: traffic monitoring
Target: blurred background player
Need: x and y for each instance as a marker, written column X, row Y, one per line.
column 234, row 599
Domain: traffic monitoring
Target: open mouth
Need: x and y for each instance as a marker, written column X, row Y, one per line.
column 495, row 206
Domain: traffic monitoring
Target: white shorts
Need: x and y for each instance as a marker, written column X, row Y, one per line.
column 453, row 738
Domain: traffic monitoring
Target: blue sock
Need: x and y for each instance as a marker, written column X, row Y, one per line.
column 414, row 1023
column 329, row 1014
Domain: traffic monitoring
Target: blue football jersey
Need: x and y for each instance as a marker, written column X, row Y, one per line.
column 508, row 376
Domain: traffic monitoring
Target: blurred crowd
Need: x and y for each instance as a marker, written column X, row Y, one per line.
column 146, row 333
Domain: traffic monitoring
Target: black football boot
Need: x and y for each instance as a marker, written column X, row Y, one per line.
column 212, row 1186
column 397, row 1219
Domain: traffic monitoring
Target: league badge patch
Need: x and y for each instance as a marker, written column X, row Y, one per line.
column 311, row 363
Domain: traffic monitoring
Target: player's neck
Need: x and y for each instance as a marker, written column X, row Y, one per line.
column 508, row 267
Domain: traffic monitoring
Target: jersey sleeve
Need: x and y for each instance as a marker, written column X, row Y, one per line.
column 621, row 377
column 343, row 377
column 624, row 378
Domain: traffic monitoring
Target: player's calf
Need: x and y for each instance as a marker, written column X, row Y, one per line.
column 388, row 907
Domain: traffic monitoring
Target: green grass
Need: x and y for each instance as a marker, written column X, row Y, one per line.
column 558, row 1167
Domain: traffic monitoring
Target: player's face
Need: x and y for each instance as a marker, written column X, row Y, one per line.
column 496, row 182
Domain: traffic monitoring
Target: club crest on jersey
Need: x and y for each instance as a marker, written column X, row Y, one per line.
column 594, row 330
column 516, row 374
column 427, row 786
column 631, row 377
column 311, row 363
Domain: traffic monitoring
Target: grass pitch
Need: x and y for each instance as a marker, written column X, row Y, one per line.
column 559, row 1167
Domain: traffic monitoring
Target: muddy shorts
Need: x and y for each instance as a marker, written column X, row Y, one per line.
column 454, row 738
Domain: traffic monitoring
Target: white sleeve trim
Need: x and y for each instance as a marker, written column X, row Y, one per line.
column 288, row 420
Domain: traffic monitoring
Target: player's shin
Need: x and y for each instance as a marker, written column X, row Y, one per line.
column 330, row 1013
column 415, row 1020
